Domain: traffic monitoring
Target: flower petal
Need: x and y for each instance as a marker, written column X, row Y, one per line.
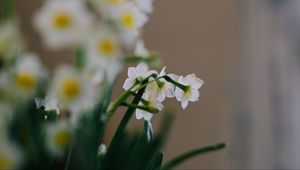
column 128, row 83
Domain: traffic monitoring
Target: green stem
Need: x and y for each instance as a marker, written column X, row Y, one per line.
column 181, row 86
column 121, row 128
column 171, row 164
column 145, row 108
column 79, row 58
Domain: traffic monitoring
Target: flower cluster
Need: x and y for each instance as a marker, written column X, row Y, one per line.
column 161, row 86
column 57, row 118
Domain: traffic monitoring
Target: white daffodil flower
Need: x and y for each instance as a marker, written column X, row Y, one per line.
column 10, row 155
column 71, row 91
column 58, row 137
column 162, row 90
column 63, row 23
column 130, row 20
column 144, row 5
column 138, row 73
column 192, row 94
column 153, row 103
column 102, row 149
column 10, row 40
column 28, row 73
column 140, row 49
column 103, row 55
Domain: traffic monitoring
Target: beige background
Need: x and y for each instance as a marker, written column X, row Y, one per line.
column 193, row 36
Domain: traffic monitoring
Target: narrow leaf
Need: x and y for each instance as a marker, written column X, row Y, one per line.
column 174, row 162
column 155, row 164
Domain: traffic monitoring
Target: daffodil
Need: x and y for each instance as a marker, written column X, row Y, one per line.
column 63, row 23
column 10, row 40
column 104, row 53
column 135, row 74
column 10, row 155
column 58, row 137
column 70, row 91
column 191, row 94
column 29, row 71
column 152, row 102
column 140, row 49
column 144, row 5
column 161, row 88
column 130, row 20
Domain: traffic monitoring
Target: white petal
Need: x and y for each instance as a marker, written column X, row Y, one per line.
column 147, row 116
column 194, row 95
column 139, row 114
column 132, row 72
column 142, row 69
column 184, row 104
column 161, row 97
column 179, row 94
column 197, row 83
column 128, row 83
column 174, row 77
column 163, row 71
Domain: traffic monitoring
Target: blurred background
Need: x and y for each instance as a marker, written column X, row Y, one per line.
column 247, row 52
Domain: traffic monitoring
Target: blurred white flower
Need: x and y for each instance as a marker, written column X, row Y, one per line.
column 63, row 23
column 192, row 94
column 28, row 73
column 10, row 40
column 10, row 155
column 70, row 91
column 151, row 102
column 103, row 54
column 140, row 49
column 144, row 5
column 130, row 20
column 138, row 73
column 163, row 89
column 58, row 136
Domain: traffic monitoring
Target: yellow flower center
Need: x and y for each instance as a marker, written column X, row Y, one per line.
column 107, row 47
column 5, row 163
column 62, row 20
column 114, row 2
column 128, row 20
column 62, row 139
column 70, row 88
column 26, row 80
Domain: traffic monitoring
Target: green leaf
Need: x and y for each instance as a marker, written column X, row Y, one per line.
column 176, row 161
column 80, row 58
column 155, row 164
column 117, row 139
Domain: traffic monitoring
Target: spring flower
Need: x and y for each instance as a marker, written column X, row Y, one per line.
column 10, row 155
column 138, row 73
column 63, row 23
column 144, row 5
column 103, row 55
column 130, row 20
column 140, row 49
column 10, row 40
column 58, row 137
column 162, row 88
column 192, row 93
column 29, row 72
column 71, row 91
column 151, row 102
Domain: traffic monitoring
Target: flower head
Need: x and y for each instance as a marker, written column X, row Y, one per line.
column 192, row 93
column 59, row 137
column 161, row 88
column 138, row 73
column 10, row 155
column 29, row 72
column 63, row 23
column 152, row 102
